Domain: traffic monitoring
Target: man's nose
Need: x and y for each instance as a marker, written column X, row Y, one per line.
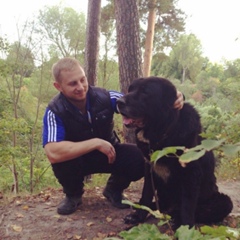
column 79, row 86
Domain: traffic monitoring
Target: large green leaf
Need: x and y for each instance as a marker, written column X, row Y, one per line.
column 209, row 144
column 222, row 232
column 165, row 151
column 191, row 156
column 156, row 214
column 184, row 233
column 231, row 150
column 144, row 231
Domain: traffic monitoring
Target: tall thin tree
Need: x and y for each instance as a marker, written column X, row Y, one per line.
column 92, row 40
column 149, row 38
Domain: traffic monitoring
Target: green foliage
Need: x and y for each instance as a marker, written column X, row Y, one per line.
column 187, row 54
column 151, row 231
column 218, row 123
column 156, row 214
column 98, row 179
column 228, row 163
column 107, row 21
column 207, row 85
column 221, row 232
column 232, row 69
column 205, row 233
column 215, row 70
column 230, row 88
column 185, row 60
column 64, row 28
column 108, row 77
column 193, row 154
column 228, row 167
column 4, row 45
column 184, row 233
column 144, row 231
column 20, row 59
column 170, row 22
column 213, row 120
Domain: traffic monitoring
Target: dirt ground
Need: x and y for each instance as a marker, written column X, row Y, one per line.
column 34, row 217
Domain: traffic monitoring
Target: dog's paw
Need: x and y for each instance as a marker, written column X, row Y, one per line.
column 132, row 218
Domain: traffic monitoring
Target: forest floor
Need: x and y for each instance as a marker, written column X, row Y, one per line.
column 34, row 217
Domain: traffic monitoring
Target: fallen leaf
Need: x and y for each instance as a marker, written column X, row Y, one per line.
column 19, row 215
column 108, row 219
column 18, row 202
column 17, row 228
column 69, row 236
column 25, row 207
column 112, row 234
column 90, row 224
column 102, row 235
column 77, row 237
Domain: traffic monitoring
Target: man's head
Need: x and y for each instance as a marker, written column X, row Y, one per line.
column 70, row 80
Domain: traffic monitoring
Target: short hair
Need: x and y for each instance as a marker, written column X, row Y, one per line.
column 64, row 64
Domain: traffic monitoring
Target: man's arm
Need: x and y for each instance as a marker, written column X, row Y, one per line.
column 114, row 96
column 59, row 150
column 66, row 150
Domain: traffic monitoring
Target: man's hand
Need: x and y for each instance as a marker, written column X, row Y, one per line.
column 180, row 101
column 107, row 149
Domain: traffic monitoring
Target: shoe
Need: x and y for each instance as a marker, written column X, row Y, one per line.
column 69, row 205
column 115, row 197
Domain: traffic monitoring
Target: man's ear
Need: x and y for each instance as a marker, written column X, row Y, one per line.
column 57, row 86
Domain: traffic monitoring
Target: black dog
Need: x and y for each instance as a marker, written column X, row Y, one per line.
column 188, row 194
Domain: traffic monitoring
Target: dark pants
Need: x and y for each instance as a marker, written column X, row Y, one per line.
column 128, row 166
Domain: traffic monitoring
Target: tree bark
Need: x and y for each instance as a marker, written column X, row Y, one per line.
column 92, row 41
column 128, row 46
column 128, row 42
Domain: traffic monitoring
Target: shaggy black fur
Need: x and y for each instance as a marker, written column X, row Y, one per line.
column 188, row 194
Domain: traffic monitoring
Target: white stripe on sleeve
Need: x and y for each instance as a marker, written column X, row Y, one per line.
column 115, row 95
column 52, row 127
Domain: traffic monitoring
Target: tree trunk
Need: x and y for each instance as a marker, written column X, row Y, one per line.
column 92, row 41
column 128, row 46
column 183, row 75
column 149, row 39
column 128, row 42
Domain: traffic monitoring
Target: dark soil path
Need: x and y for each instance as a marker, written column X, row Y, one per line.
column 35, row 217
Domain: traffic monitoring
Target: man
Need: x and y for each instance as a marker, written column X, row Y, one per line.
column 79, row 139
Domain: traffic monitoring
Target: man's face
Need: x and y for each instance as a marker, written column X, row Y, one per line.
column 74, row 85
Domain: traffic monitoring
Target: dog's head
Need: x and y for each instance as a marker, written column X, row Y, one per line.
column 149, row 104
